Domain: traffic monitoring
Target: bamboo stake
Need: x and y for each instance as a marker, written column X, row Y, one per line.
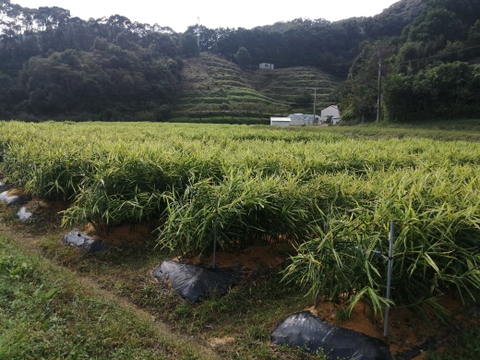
column 389, row 276
column 214, row 264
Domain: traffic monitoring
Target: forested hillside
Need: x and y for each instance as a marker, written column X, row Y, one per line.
column 430, row 71
column 54, row 66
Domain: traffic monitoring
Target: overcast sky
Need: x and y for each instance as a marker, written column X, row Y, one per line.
column 215, row 13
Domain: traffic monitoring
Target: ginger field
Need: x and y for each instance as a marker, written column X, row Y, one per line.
column 330, row 195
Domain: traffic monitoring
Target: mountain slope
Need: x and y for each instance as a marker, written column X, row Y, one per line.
column 391, row 21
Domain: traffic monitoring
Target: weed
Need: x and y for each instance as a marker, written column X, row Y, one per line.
column 182, row 311
column 342, row 314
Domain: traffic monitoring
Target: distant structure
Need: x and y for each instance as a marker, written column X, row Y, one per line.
column 266, row 66
column 280, row 121
column 301, row 119
column 330, row 115
column 294, row 120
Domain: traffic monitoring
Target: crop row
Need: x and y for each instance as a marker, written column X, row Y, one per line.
column 329, row 195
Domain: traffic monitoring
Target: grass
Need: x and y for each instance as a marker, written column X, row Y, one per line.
column 455, row 130
column 287, row 84
column 47, row 312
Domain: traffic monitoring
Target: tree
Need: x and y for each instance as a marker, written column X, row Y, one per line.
column 360, row 92
column 189, row 45
column 304, row 99
column 442, row 91
column 5, row 89
column 242, row 57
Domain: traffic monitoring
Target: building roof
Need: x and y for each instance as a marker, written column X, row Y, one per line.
column 332, row 106
column 280, row 119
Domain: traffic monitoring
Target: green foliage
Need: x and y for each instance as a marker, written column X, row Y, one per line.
column 428, row 72
column 188, row 45
column 436, row 233
column 440, row 92
column 359, row 94
column 304, row 99
column 87, row 70
column 242, row 57
column 225, row 91
column 336, row 266
column 92, row 82
column 437, row 22
column 116, row 69
column 331, row 195
column 250, row 206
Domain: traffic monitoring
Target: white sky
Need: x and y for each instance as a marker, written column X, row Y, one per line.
column 215, row 13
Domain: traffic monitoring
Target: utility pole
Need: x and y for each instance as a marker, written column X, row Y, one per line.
column 379, row 85
column 314, row 105
column 198, row 32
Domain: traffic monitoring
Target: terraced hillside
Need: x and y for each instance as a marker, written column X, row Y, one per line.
column 215, row 88
column 288, row 84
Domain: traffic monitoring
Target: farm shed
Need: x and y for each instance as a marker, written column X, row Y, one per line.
column 266, row 66
column 280, row 121
column 331, row 115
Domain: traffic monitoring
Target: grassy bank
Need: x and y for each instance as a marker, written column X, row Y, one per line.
column 48, row 312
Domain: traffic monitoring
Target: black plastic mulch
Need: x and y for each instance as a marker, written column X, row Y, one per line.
column 193, row 282
column 307, row 331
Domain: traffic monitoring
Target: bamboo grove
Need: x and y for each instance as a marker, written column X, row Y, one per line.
column 331, row 196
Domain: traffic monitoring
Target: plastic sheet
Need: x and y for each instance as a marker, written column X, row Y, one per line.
column 307, row 331
column 194, row 281
column 13, row 199
column 23, row 214
column 84, row 242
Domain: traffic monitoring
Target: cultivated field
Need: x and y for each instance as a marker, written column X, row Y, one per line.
column 329, row 195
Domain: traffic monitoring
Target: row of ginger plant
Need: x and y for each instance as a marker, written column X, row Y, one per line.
column 330, row 196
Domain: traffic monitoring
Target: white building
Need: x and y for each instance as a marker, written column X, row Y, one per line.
column 331, row 115
column 266, row 66
column 280, row 121
column 295, row 120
